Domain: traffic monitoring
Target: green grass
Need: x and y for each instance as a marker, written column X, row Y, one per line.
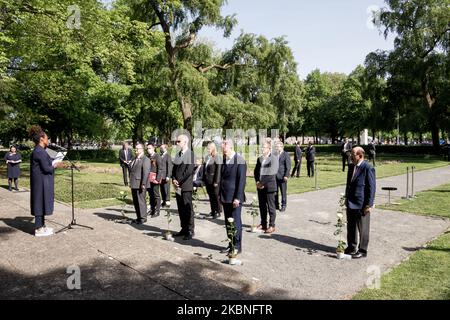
column 433, row 202
column 99, row 184
column 426, row 274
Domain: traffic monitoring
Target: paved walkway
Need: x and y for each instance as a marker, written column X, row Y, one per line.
column 123, row 261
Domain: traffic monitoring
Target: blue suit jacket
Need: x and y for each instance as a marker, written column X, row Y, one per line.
column 232, row 183
column 360, row 191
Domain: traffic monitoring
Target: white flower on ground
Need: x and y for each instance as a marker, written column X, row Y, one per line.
column 342, row 194
column 340, row 215
column 230, row 220
column 254, row 198
column 122, row 193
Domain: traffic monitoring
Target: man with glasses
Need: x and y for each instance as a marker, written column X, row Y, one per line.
column 139, row 172
column 182, row 180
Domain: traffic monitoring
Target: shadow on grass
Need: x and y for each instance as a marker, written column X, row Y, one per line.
column 426, row 248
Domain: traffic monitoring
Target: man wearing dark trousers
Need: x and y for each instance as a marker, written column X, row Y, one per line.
column 372, row 152
column 297, row 160
column 167, row 172
column 310, row 158
column 125, row 157
column 265, row 177
column 346, row 153
column 154, row 181
column 139, row 171
column 284, row 167
column 182, row 179
column 360, row 196
column 232, row 191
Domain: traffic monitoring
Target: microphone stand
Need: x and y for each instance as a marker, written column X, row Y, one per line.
column 74, row 221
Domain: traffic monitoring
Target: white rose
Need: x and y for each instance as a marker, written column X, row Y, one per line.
column 230, row 220
column 340, row 215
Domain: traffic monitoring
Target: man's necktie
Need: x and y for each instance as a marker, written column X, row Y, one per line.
column 354, row 172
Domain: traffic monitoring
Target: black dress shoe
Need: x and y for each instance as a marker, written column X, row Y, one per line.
column 155, row 215
column 283, row 209
column 225, row 250
column 359, row 255
column 350, row 251
column 189, row 236
column 216, row 215
column 180, row 234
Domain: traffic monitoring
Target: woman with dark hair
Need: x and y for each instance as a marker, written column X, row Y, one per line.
column 41, row 182
column 13, row 160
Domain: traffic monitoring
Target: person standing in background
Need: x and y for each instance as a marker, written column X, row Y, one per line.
column 211, row 178
column 297, row 160
column 284, row 167
column 139, row 172
column 13, row 160
column 372, row 152
column 166, row 163
column 125, row 157
column 42, row 182
column 346, row 153
column 154, row 181
column 310, row 158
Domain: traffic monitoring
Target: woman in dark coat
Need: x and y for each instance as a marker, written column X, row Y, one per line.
column 13, row 160
column 211, row 178
column 41, row 181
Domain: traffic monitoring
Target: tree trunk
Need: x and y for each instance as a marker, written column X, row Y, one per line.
column 405, row 137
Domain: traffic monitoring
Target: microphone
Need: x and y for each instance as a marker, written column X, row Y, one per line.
column 57, row 147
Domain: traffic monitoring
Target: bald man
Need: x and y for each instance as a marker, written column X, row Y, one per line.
column 360, row 196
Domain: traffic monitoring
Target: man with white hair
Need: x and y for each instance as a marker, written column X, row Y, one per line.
column 360, row 196
column 182, row 179
column 232, row 192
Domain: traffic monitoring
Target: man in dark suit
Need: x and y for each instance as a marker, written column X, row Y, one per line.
column 155, row 178
column 360, row 196
column 372, row 152
column 297, row 160
column 265, row 173
column 182, row 179
column 310, row 158
column 284, row 167
column 232, row 191
column 139, row 172
column 167, row 173
column 346, row 151
column 125, row 157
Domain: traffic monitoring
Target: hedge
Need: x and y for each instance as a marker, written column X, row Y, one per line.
column 383, row 149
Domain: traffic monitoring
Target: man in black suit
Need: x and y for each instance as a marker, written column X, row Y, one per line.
column 125, row 157
column 284, row 167
column 265, row 177
column 167, row 173
column 232, row 191
column 346, row 151
column 297, row 160
column 182, row 179
column 372, row 152
column 154, row 181
column 360, row 196
column 139, row 171
column 310, row 158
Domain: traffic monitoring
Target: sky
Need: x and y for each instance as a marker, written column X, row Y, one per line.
column 330, row 35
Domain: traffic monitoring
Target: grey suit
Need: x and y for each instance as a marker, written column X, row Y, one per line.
column 139, row 171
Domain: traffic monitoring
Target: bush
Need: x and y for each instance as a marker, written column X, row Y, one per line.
column 383, row 149
column 100, row 155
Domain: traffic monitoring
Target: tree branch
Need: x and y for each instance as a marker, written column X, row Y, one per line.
column 226, row 66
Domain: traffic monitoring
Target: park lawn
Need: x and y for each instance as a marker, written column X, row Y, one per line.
column 426, row 274
column 99, row 184
column 433, row 202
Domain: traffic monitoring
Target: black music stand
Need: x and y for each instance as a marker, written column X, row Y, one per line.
column 74, row 221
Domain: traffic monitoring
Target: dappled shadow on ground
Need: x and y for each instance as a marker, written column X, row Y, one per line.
column 156, row 232
column 102, row 278
column 300, row 243
column 24, row 224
